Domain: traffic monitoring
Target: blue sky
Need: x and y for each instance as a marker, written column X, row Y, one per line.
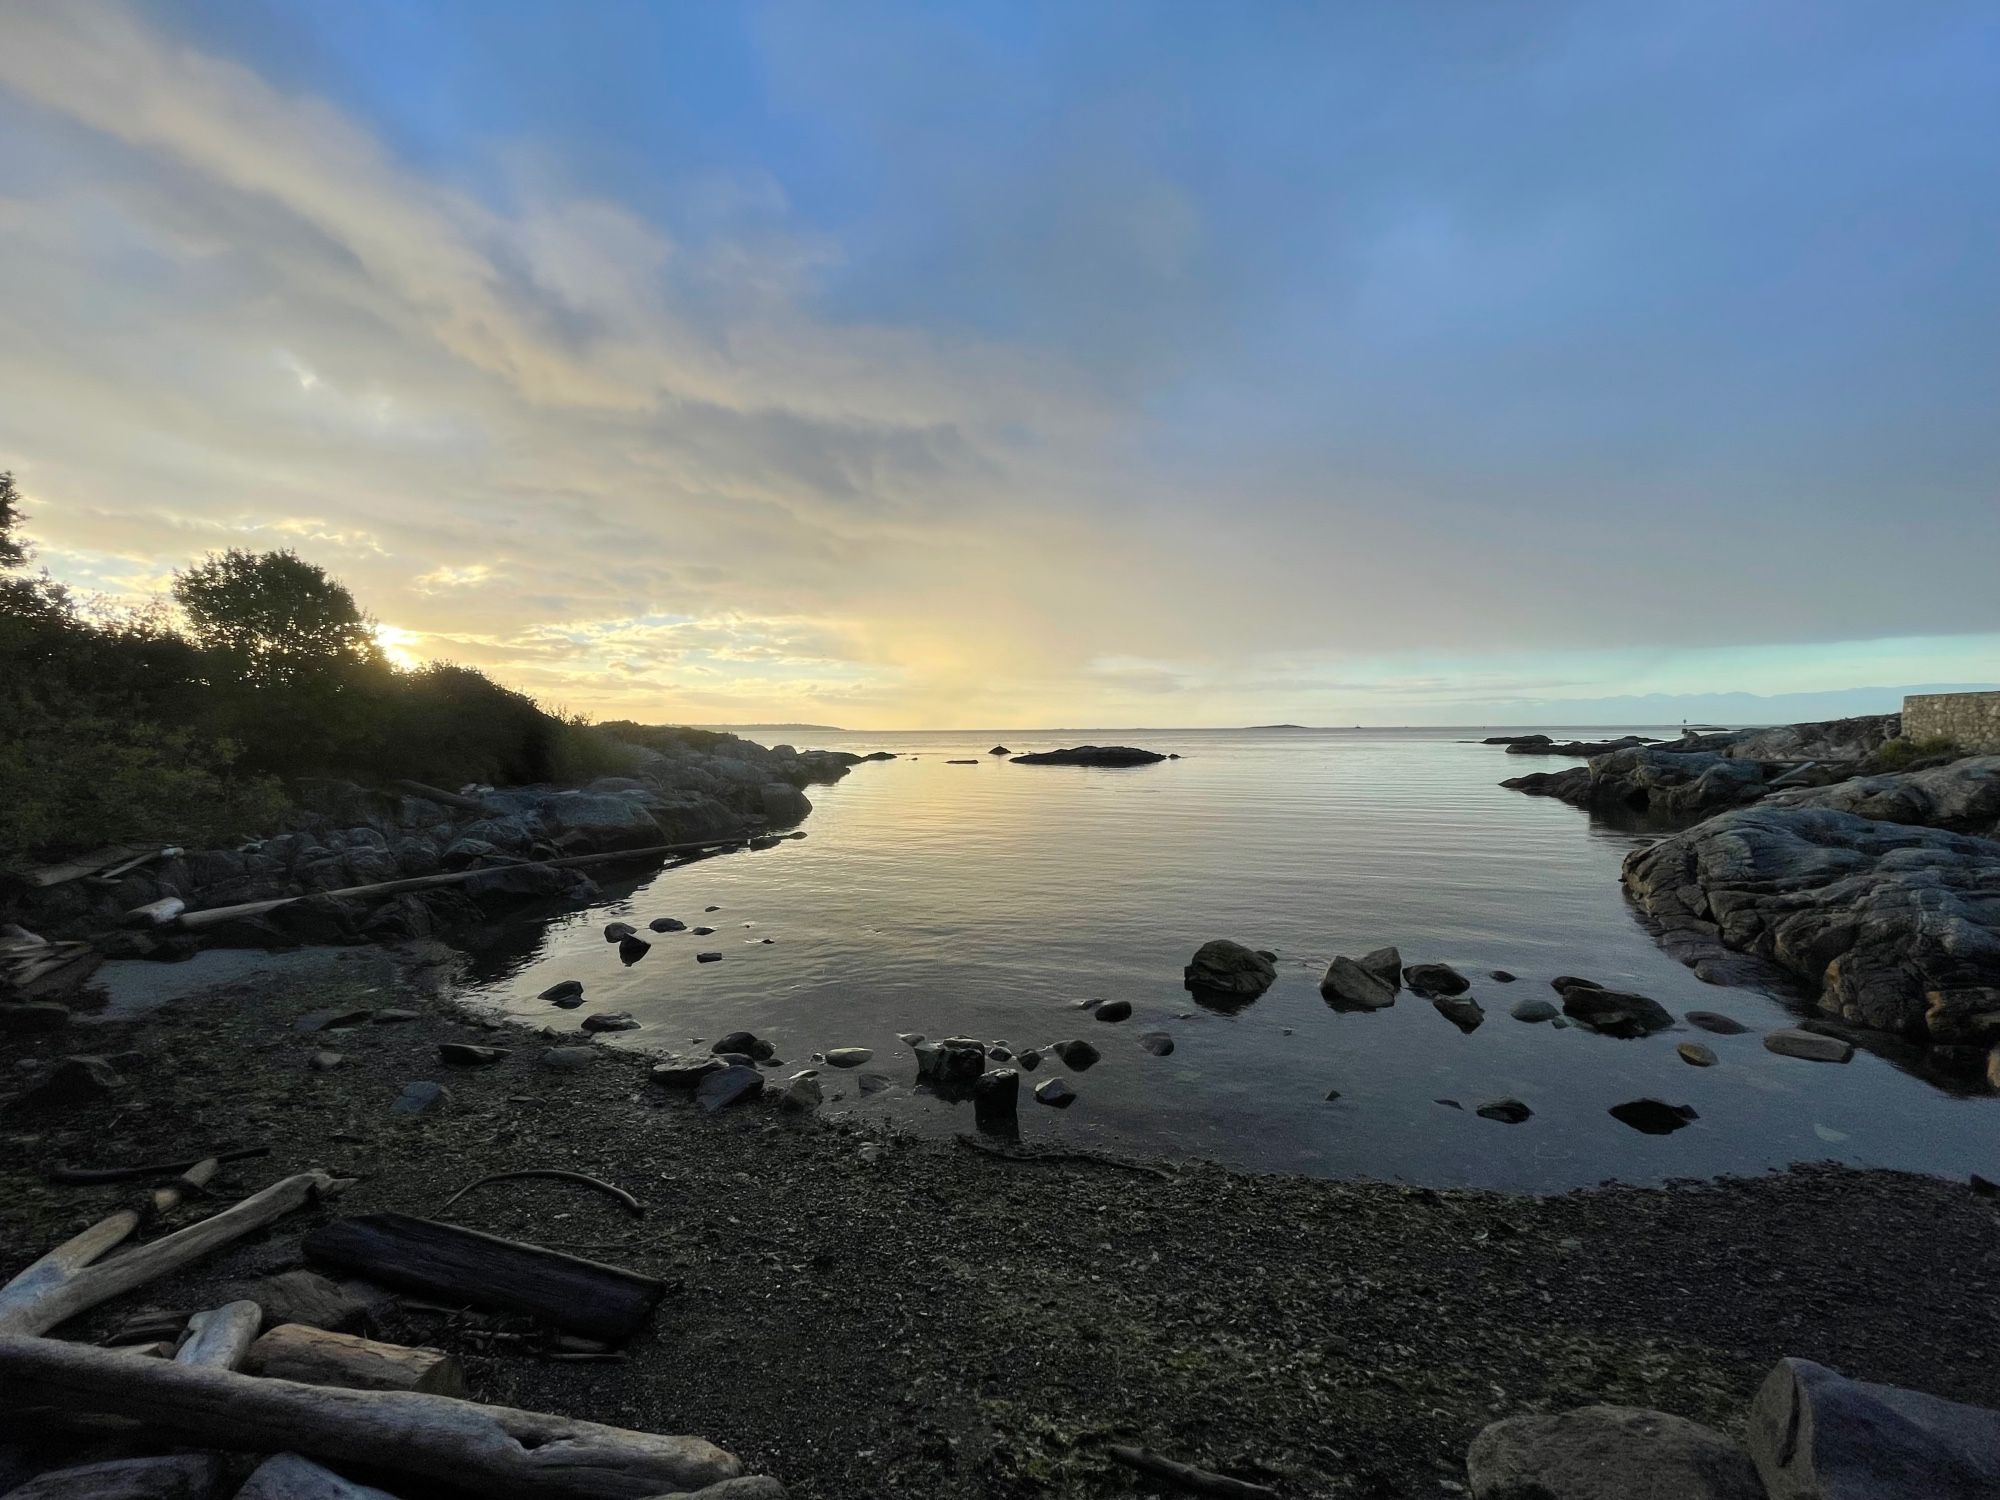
column 948, row 363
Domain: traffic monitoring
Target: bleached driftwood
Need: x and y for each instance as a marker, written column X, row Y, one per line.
column 492, row 1450
column 77, row 1285
column 220, row 1338
column 1187, row 1476
column 72, row 1255
column 313, row 1356
column 289, row 1477
column 183, row 1476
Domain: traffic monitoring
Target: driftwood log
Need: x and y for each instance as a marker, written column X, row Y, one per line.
column 491, row 1450
column 313, row 1356
column 72, row 1255
column 184, row 1476
column 466, row 1267
column 1188, row 1477
column 72, row 1284
column 220, row 1338
column 92, row 1176
column 289, row 1477
column 630, row 1204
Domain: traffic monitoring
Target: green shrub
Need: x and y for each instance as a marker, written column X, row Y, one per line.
column 585, row 751
column 1898, row 754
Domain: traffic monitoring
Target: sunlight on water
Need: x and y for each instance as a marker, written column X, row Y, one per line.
column 988, row 899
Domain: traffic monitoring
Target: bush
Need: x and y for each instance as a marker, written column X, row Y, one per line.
column 1902, row 754
column 585, row 752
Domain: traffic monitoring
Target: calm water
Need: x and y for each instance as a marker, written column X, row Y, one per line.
column 986, row 900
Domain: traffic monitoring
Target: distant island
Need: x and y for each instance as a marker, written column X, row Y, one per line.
column 1277, row 726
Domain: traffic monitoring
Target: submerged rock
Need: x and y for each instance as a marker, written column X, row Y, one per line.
column 1506, row 1111
column 632, row 949
column 708, row 958
column 1386, row 964
column 1157, row 1042
column 1608, row 1453
column 563, row 992
column 1229, row 970
column 1436, row 979
column 1810, row 1045
column 1653, row 1116
column 1534, row 1010
column 1614, row 1012
column 1461, row 1010
column 999, row 750
column 953, row 1060
column 1077, row 1056
column 617, row 932
column 613, row 1020
column 748, row 1043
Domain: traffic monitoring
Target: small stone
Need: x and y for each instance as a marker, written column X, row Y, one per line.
column 616, row 932
column 330, row 1020
column 1462, row 1011
column 1331, row 1095
column 702, row 931
column 909, row 1038
column 1715, row 1021
column 1078, row 1056
column 1054, row 1093
column 708, row 958
column 1506, row 1111
column 1696, row 1055
column 1501, row 976
column 466, row 1055
column 667, row 924
column 632, row 949
column 1448, row 1103
column 728, row 1086
column 420, row 1098
column 711, row 908
column 564, row 992
column 1810, row 1045
column 616, row 1020
column 848, row 1057
column 1535, row 1010
column 1158, row 1043
column 801, row 1093
column 685, row 1073
column 567, row 1059
column 1114, row 1010
column 325, row 1060
column 1029, row 1058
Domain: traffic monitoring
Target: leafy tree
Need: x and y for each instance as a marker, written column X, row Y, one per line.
column 279, row 620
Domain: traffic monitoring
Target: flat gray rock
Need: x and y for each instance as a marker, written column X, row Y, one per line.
column 731, row 1085
column 1793, row 1042
column 420, row 1098
column 1534, row 1010
column 1608, row 1453
column 848, row 1057
column 1816, row 1435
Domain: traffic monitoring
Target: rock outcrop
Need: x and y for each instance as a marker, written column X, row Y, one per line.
column 1541, row 744
column 1824, row 739
column 1652, row 779
column 1962, row 796
column 1091, row 755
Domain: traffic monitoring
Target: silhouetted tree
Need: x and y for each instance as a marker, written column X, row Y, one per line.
column 278, row 620
column 13, row 551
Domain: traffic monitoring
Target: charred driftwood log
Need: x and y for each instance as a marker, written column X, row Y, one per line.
column 493, row 1450
column 313, row 1356
column 467, row 1267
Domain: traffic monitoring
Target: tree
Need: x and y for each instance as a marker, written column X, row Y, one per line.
column 13, row 551
column 278, row 619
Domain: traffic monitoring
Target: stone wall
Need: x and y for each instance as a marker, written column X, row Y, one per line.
column 1970, row 719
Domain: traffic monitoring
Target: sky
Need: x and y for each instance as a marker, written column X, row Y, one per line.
column 1081, row 363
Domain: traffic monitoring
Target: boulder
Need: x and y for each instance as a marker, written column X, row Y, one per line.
column 1054, row 1093
column 994, row 1098
column 1436, row 979
column 1816, row 1435
column 1347, row 985
column 999, row 750
column 1614, row 1012
column 746, row 1042
column 1113, row 1010
column 783, row 804
column 667, row 924
column 1230, row 970
column 1461, row 1010
column 1608, row 1453
column 1386, row 964
column 955, row 1059
column 632, row 948
column 1077, row 1056
column 801, row 1093
column 1090, row 755
column 727, row 1086
column 563, row 992
column 1506, row 1111
column 615, row 932
column 1791, row 1041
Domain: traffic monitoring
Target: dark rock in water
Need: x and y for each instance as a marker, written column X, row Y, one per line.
column 33, row 1015
column 1815, row 1435
column 1386, row 964
column 1534, row 1010
column 1506, row 1111
column 909, row 1038
column 1090, row 755
column 1055, row 1093
column 848, row 1057
column 618, row 931
column 711, row 908
column 685, row 1073
column 1810, row 1045
column 999, row 750
column 995, row 1096
column 1501, row 976
column 632, row 949
column 1229, row 971
column 961, row 762
column 1448, row 1103
column 1652, row 779
column 1436, row 979
column 420, row 1098
column 467, row 1055
column 1088, row 1004
column 567, row 1059
column 667, row 924
column 880, row 755
column 1652, row 1116
column 1029, row 1058
column 702, row 931
column 1615, row 1013
column 1609, row 1453
column 563, row 992
column 708, row 958
column 1715, row 1021
column 730, row 1086
column 1461, row 1010
column 1541, row 744
column 1158, row 1043
column 1695, row 1055
column 1347, row 985
column 1077, row 1056
column 1331, row 1095
column 746, row 1042
column 613, row 1020
column 953, row 1060
column 1114, row 1010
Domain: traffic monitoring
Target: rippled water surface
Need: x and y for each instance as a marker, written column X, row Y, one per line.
column 988, row 899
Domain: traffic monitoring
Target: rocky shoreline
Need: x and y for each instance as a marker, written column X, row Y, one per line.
column 861, row 1313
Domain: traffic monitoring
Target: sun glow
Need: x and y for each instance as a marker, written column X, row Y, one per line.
column 396, row 644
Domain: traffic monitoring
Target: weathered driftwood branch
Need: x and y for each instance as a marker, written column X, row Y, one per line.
column 1201, row 1481
column 558, row 1174
column 289, row 1477
column 51, row 1300
column 67, row 1259
column 488, row 1449
column 313, row 1356
column 94, row 1176
column 220, row 1338
column 184, row 1476
column 467, row 1267
column 195, row 920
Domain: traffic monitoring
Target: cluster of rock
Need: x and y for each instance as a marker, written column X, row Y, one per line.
column 708, row 788
column 1089, row 755
column 1812, row 1434
column 1541, row 744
